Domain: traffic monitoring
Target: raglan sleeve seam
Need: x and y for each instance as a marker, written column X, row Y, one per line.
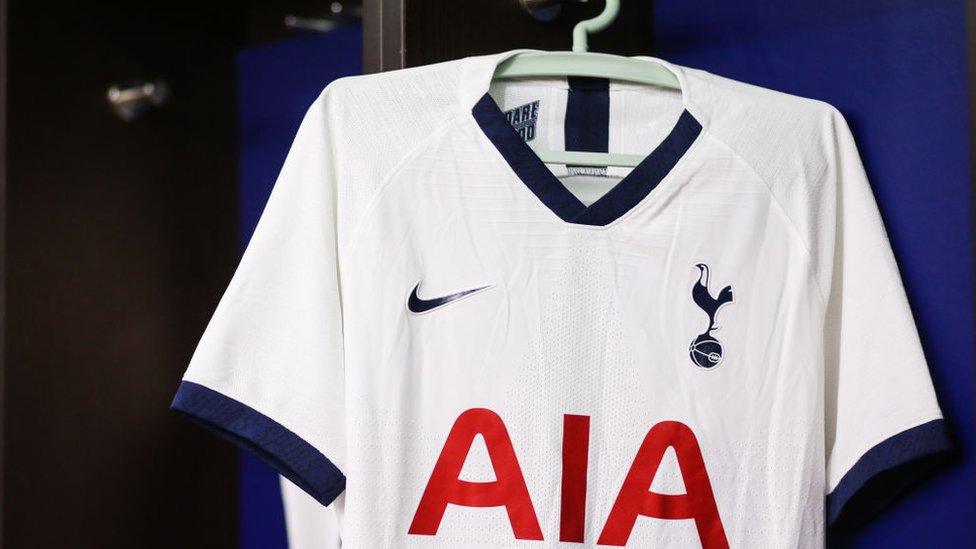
column 358, row 226
column 786, row 216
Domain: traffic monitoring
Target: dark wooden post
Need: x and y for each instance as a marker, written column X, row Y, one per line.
column 407, row 33
column 3, row 239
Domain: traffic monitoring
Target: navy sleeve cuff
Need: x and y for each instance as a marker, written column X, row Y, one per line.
column 295, row 459
column 884, row 471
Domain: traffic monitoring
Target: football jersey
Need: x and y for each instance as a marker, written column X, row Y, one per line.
column 457, row 345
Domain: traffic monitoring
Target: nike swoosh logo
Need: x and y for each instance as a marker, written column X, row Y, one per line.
column 416, row 305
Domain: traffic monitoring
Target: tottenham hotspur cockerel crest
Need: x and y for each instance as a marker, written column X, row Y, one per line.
column 705, row 350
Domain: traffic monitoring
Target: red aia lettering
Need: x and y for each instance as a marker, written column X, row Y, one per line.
column 507, row 489
column 576, row 453
column 635, row 498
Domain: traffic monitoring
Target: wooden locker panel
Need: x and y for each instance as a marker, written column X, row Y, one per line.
column 408, row 33
column 120, row 240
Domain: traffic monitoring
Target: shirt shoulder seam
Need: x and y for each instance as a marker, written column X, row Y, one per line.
column 354, row 233
column 779, row 206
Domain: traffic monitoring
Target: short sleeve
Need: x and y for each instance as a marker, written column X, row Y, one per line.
column 268, row 372
column 882, row 416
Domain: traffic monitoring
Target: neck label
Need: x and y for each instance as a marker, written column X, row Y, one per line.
column 523, row 118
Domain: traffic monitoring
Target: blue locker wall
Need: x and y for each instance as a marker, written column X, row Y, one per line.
column 277, row 82
column 897, row 70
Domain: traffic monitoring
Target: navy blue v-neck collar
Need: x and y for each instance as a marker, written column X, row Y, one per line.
column 619, row 200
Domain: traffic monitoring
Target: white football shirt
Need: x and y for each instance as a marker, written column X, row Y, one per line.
column 460, row 346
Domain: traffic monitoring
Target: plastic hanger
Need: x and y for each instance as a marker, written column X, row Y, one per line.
column 579, row 62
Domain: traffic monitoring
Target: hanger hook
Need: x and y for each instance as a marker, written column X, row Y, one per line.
column 583, row 29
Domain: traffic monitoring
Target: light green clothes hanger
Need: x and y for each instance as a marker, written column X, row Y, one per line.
column 598, row 65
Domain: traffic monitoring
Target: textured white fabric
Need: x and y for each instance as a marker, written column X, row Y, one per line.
column 275, row 341
column 391, row 182
column 308, row 523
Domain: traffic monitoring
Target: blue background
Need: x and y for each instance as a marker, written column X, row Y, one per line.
column 897, row 70
column 277, row 83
